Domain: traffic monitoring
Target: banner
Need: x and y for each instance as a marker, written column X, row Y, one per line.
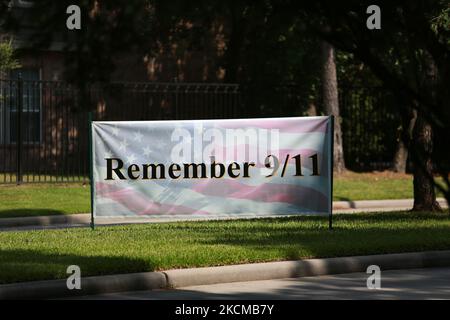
column 212, row 168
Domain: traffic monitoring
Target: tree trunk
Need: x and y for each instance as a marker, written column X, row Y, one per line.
column 422, row 142
column 424, row 194
column 331, row 102
column 404, row 140
column 400, row 157
column 311, row 111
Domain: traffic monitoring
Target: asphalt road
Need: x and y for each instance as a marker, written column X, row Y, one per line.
column 433, row 283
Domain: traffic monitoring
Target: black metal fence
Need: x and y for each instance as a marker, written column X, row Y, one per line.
column 42, row 137
column 370, row 127
column 43, row 124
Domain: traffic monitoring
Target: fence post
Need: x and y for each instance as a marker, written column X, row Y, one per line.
column 91, row 168
column 19, row 106
column 177, row 88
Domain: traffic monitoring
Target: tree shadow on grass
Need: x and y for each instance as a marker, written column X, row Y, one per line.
column 29, row 212
column 312, row 224
column 18, row 265
column 376, row 234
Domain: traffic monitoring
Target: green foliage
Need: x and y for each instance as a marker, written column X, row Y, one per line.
column 7, row 59
column 440, row 24
column 409, row 55
column 353, row 73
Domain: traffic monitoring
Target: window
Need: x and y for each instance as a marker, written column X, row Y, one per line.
column 31, row 107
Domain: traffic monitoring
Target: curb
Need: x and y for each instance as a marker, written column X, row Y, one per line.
column 89, row 285
column 83, row 219
column 304, row 268
column 225, row 274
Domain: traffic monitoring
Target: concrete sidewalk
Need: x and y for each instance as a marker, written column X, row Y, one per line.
column 180, row 278
column 83, row 220
column 421, row 284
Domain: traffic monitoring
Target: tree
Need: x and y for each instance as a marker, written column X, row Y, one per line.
column 407, row 45
column 7, row 59
column 404, row 138
column 331, row 102
column 413, row 41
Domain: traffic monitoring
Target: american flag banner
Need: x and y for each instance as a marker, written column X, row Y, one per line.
column 212, row 168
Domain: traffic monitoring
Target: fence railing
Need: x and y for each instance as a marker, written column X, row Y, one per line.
column 43, row 124
column 370, row 127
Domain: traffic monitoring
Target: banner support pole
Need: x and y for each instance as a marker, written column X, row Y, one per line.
column 331, row 151
column 91, row 171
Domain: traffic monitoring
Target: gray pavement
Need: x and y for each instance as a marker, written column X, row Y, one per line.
column 431, row 283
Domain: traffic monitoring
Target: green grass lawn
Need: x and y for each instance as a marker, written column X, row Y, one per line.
column 52, row 199
column 373, row 186
column 43, row 199
column 45, row 254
